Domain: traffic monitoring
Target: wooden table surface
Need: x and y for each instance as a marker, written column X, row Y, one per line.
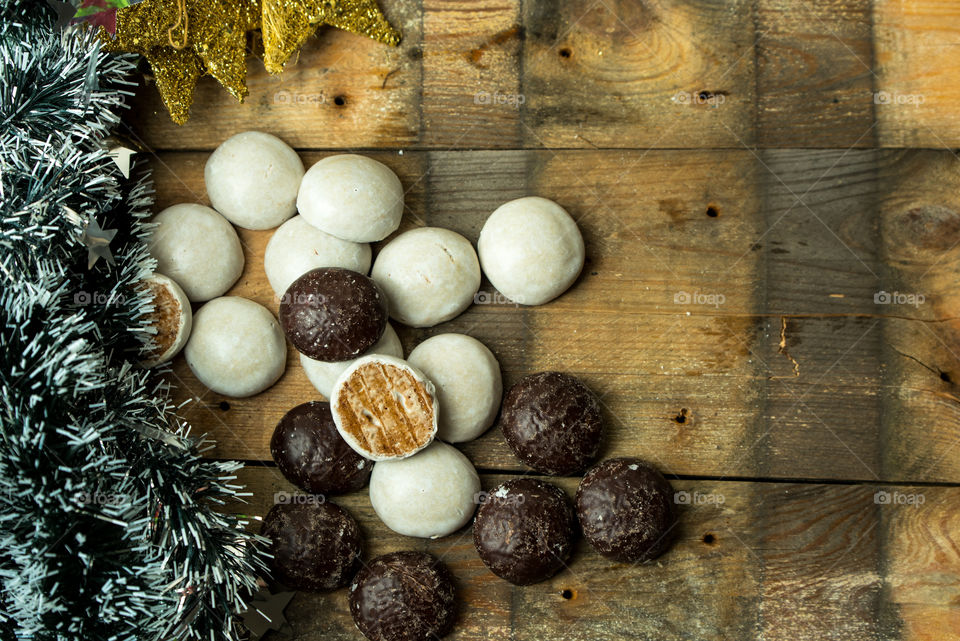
column 769, row 310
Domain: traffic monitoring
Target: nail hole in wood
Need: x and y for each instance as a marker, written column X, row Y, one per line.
column 709, row 539
column 567, row 594
column 565, row 53
column 712, row 211
column 682, row 416
column 945, row 377
column 224, row 405
column 339, row 101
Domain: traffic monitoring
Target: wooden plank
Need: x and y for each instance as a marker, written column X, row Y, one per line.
column 921, row 227
column 916, row 59
column 471, row 74
column 789, row 377
column 815, row 74
column 677, row 73
column 751, row 561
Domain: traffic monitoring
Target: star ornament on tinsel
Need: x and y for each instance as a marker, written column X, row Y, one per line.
column 186, row 39
column 97, row 241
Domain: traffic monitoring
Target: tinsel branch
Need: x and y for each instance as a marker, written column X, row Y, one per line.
column 108, row 519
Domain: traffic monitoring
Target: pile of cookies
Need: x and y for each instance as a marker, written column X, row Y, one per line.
column 390, row 421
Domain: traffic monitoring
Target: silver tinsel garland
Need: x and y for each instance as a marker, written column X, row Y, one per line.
column 108, row 526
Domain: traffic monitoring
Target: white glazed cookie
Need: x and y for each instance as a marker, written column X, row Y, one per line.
column 430, row 275
column 236, row 347
column 197, row 248
column 172, row 319
column 352, row 197
column 384, row 408
column 297, row 247
column 531, row 250
column 467, row 377
column 324, row 374
column 252, row 179
column 431, row 494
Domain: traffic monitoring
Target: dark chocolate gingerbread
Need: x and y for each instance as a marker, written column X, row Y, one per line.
column 552, row 422
column 403, row 596
column 333, row 314
column 524, row 530
column 315, row 545
column 626, row 509
column 312, row 455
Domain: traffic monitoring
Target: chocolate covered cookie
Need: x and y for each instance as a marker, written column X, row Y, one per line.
column 315, row 545
column 403, row 596
column 524, row 530
column 552, row 422
column 626, row 510
column 333, row 314
column 312, row 455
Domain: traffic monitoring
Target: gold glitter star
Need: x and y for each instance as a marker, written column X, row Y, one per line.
column 185, row 39
column 288, row 23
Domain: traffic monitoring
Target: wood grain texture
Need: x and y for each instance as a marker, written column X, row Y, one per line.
column 743, row 345
column 617, row 73
column 768, row 311
column 750, row 561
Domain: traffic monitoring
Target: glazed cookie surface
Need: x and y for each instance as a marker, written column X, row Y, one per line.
column 351, row 197
column 236, row 347
column 297, row 247
column 404, row 596
column 315, row 544
column 312, row 455
column 333, row 314
column 552, row 422
column 252, row 178
column 525, row 530
column 430, row 275
column 531, row 250
column 198, row 248
column 430, row 494
column 467, row 377
column 626, row 509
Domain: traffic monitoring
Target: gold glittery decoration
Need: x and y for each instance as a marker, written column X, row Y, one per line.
column 216, row 44
column 288, row 23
